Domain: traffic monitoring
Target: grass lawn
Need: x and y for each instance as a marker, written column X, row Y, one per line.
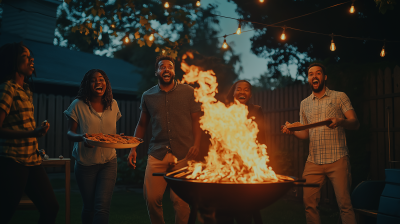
column 129, row 207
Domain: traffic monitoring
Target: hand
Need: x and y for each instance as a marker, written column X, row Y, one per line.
column 85, row 143
column 193, row 152
column 285, row 130
column 42, row 130
column 336, row 122
column 132, row 158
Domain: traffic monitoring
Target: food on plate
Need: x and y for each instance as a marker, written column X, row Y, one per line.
column 113, row 138
column 289, row 125
column 295, row 124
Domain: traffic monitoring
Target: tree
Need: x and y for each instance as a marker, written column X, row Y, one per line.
column 94, row 21
column 202, row 33
column 204, row 45
column 301, row 47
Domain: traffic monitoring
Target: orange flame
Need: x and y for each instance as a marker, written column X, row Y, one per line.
column 234, row 155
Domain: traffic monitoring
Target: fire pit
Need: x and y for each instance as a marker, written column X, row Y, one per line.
column 228, row 195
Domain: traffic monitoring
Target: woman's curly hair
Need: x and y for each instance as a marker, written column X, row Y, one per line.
column 85, row 93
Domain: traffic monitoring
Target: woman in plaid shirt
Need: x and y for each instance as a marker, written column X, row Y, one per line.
column 19, row 157
column 328, row 152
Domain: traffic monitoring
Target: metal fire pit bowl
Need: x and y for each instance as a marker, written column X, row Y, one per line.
column 230, row 196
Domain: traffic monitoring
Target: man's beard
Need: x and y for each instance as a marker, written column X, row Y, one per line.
column 162, row 82
column 320, row 87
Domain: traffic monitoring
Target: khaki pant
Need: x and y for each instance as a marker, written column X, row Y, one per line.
column 154, row 187
column 340, row 176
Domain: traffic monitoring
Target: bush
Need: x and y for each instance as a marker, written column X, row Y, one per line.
column 127, row 175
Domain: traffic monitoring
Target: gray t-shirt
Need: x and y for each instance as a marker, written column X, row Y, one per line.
column 90, row 122
column 171, row 120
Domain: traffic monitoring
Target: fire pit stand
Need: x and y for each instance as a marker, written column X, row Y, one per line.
column 208, row 197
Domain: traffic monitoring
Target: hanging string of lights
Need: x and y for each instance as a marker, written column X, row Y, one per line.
column 283, row 35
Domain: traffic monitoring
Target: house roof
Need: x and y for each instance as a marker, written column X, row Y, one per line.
column 62, row 66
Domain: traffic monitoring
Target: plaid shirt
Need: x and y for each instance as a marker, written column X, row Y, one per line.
column 326, row 145
column 17, row 103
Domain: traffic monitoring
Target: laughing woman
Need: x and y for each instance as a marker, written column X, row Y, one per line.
column 241, row 91
column 94, row 111
column 20, row 163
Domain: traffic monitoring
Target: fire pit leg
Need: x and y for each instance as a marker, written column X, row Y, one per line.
column 193, row 214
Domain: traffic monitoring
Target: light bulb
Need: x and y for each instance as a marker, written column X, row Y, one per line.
column 383, row 53
column 151, row 38
column 166, row 5
column 239, row 30
column 225, row 45
column 352, row 8
column 112, row 26
column 198, row 3
column 333, row 47
column 126, row 39
column 261, row 1
column 283, row 35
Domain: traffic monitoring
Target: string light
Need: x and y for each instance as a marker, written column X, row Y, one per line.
column 225, row 45
column 166, row 5
column 239, row 29
column 383, row 52
column 333, row 47
column 126, row 39
column 283, row 36
column 198, row 3
column 112, row 26
column 352, row 10
column 151, row 38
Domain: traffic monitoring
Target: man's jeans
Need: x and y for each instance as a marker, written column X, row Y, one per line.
column 96, row 184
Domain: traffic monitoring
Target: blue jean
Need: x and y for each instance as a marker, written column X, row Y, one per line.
column 96, row 184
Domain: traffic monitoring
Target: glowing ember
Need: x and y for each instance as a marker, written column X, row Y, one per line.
column 235, row 155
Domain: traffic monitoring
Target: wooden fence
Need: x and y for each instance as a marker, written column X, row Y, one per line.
column 279, row 106
column 381, row 109
column 382, row 116
column 51, row 107
column 381, row 102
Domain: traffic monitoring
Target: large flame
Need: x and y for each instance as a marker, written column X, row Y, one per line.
column 234, row 155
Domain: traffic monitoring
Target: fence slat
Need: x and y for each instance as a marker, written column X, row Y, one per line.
column 42, row 114
column 396, row 119
column 381, row 124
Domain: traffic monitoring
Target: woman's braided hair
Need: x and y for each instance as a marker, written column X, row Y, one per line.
column 85, row 92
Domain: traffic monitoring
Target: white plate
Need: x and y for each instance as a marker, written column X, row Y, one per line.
column 113, row 145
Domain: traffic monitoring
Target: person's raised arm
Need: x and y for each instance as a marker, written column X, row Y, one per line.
column 140, row 132
column 194, row 150
column 301, row 134
column 73, row 136
column 350, row 122
column 8, row 133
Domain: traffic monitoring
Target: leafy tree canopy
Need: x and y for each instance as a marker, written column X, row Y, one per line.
column 183, row 27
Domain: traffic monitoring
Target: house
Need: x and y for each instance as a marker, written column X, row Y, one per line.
column 59, row 70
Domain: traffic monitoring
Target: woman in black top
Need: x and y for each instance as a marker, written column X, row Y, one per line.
column 241, row 91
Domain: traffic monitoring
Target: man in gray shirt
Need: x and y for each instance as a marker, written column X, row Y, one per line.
column 174, row 117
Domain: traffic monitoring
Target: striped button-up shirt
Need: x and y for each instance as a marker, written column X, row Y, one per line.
column 17, row 103
column 326, row 145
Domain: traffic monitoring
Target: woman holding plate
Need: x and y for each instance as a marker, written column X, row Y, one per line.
column 94, row 111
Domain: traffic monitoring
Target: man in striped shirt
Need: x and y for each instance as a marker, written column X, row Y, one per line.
column 328, row 152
